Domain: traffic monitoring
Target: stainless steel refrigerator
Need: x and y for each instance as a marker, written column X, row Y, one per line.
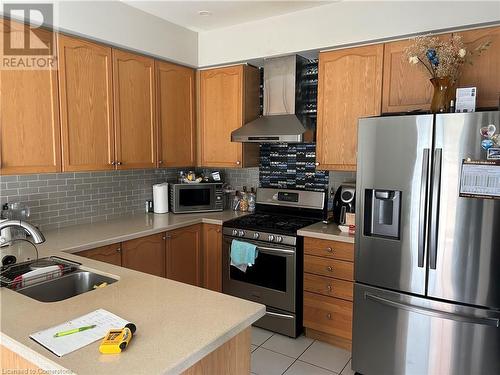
column 427, row 262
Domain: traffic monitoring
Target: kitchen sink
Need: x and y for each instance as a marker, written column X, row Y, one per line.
column 66, row 286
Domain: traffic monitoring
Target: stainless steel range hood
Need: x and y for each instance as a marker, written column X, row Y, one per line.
column 279, row 122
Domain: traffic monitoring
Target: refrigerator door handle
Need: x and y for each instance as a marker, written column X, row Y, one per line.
column 493, row 322
column 436, row 187
column 423, row 207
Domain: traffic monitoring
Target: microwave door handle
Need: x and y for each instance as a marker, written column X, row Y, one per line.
column 423, row 207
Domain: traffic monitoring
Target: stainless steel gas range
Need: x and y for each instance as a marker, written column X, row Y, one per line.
column 276, row 277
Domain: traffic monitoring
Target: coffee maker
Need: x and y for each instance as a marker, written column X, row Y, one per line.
column 344, row 202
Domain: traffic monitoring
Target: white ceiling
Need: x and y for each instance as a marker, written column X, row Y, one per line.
column 223, row 13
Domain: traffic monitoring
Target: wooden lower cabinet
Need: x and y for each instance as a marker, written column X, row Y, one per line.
column 145, row 254
column 328, row 314
column 183, row 260
column 191, row 255
column 328, row 286
column 328, row 290
column 212, row 257
column 329, row 249
column 232, row 357
column 329, row 267
column 107, row 254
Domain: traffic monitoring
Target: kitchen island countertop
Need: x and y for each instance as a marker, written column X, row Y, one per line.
column 177, row 324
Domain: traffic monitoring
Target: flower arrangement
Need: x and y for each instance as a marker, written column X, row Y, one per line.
column 442, row 58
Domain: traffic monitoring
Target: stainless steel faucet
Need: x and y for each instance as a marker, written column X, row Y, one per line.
column 30, row 229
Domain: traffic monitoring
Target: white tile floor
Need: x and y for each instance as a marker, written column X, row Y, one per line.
column 274, row 354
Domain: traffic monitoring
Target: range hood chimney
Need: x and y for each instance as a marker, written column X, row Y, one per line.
column 279, row 122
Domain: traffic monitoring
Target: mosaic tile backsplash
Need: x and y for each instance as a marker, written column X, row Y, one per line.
column 291, row 166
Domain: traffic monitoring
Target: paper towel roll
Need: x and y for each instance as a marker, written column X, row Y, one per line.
column 160, row 198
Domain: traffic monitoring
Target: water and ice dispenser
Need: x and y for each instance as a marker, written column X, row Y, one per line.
column 382, row 213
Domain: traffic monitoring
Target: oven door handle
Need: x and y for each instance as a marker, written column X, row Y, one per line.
column 274, row 250
column 276, row 315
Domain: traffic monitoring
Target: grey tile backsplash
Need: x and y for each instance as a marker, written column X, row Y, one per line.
column 62, row 199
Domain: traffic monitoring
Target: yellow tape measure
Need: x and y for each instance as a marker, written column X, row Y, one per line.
column 116, row 340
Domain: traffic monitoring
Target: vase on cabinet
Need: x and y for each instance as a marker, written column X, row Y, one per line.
column 442, row 92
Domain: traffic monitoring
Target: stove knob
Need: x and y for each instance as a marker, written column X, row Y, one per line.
column 271, row 237
column 279, row 239
column 241, row 233
column 235, row 232
column 256, row 236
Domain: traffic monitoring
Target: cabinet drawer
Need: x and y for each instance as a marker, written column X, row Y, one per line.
column 329, row 267
column 329, row 249
column 328, row 286
column 329, row 315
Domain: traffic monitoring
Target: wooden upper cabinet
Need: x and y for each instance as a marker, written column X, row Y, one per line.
column 229, row 97
column 134, row 108
column 406, row 87
column 183, row 261
column 85, row 76
column 29, row 119
column 145, row 254
column 484, row 73
column 175, row 110
column 349, row 88
column 212, row 257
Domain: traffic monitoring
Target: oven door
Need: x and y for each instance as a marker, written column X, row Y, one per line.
column 270, row 281
column 194, row 198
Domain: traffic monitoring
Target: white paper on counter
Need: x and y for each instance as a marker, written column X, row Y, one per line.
column 104, row 321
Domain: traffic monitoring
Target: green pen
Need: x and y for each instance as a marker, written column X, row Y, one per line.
column 71, row 331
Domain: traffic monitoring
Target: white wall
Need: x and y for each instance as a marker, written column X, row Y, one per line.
column 338, row 24
column 119, row 24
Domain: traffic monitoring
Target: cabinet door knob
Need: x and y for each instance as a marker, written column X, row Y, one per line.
column 238, row 162
column 160, row 161
column 317, row 163
column 329, row 316
column 119, row 163
column 329, row 287
column 218, row 230
column 329, row 250
column 113, row 162
column 119, row 250
column 329, row 268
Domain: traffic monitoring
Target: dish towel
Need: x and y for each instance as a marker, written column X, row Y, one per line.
column 243, row 254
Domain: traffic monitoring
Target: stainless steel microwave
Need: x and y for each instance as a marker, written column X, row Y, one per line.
column 202, row 197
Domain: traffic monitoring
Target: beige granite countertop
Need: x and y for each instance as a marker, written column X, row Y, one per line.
column 328, row 231
column 87, row 236
column 177, row 324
